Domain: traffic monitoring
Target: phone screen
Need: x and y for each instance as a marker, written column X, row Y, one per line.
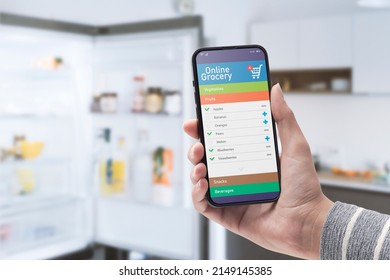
column 236, row 124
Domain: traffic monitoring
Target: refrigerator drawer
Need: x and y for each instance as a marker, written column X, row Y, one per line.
column 44, row 231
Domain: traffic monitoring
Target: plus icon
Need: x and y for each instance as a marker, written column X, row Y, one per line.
column 267, row 138
column 265, row 122
column 264, row 114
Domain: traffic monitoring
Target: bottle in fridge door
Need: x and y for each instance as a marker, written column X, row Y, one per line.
column 120, row 167
column 103, row 168
column 142, row 169
column 163, row 192
column 112, row 165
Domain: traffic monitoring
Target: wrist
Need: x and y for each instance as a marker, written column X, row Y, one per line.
column 312, row 227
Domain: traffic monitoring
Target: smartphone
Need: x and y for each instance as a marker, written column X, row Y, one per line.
column 236, row 127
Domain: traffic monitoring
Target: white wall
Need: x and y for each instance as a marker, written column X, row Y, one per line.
column 352, row 131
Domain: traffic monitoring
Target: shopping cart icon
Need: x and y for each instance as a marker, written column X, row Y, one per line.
column 256, row 71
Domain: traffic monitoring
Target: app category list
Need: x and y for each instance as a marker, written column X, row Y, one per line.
column 238, row 130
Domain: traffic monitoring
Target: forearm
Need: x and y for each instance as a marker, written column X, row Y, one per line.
column 351, row 232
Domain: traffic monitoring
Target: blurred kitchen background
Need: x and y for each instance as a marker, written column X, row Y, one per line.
column 93, row 95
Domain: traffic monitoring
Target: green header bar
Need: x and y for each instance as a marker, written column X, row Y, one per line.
column 245, row 189
column 233, row 88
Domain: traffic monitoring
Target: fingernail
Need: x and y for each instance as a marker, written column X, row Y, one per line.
column 279, row 86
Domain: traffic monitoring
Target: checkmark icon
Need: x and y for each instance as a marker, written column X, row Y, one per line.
column 212, row 158
column 208, row 108
column 211, row 150
column 209, row 133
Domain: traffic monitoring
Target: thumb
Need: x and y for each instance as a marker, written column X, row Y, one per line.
column 291, row 136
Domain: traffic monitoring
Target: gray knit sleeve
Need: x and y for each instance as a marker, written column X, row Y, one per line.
column 354, row 233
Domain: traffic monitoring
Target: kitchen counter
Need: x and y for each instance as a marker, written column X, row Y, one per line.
column 358, row 183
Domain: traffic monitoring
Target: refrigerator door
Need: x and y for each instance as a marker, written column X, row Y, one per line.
column 45, row 210
column 147, row 78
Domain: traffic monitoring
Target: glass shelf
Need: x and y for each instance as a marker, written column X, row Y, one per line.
column 34, row 162
column 24, row 204
column 128, row 66
column 131, row 114
column 35, row 116
column 33, row 75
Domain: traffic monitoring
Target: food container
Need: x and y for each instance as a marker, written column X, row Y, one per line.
column 154, row 100
column 109, row 102
column 138, row 103
column 95, row 106
column 172, row 102
column 31, row 150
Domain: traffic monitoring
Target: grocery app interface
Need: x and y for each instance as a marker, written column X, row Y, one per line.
column 237, row 124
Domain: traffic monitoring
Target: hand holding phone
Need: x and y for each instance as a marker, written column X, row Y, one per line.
column 293, row 225
column 236, row 126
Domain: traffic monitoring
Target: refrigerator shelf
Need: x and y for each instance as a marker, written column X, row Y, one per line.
column 35, row 117
column 31, row 75
column 34, row 162
column 137, row 115
column 131, row 65
column 24, row 205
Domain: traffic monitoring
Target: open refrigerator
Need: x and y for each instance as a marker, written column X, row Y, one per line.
column 91, row 142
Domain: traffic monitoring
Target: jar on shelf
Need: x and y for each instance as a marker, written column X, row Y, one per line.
column 138, row 102
column 172, row 102
column 109, row 102
column 154, row 100
column 95, row 105
column 18, row 139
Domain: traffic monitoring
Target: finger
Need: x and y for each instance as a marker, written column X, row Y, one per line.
column 196, row 152
column 199, row 197
column 198, row 172
column 227, row 217
column 191, row 128
column 290, row 133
